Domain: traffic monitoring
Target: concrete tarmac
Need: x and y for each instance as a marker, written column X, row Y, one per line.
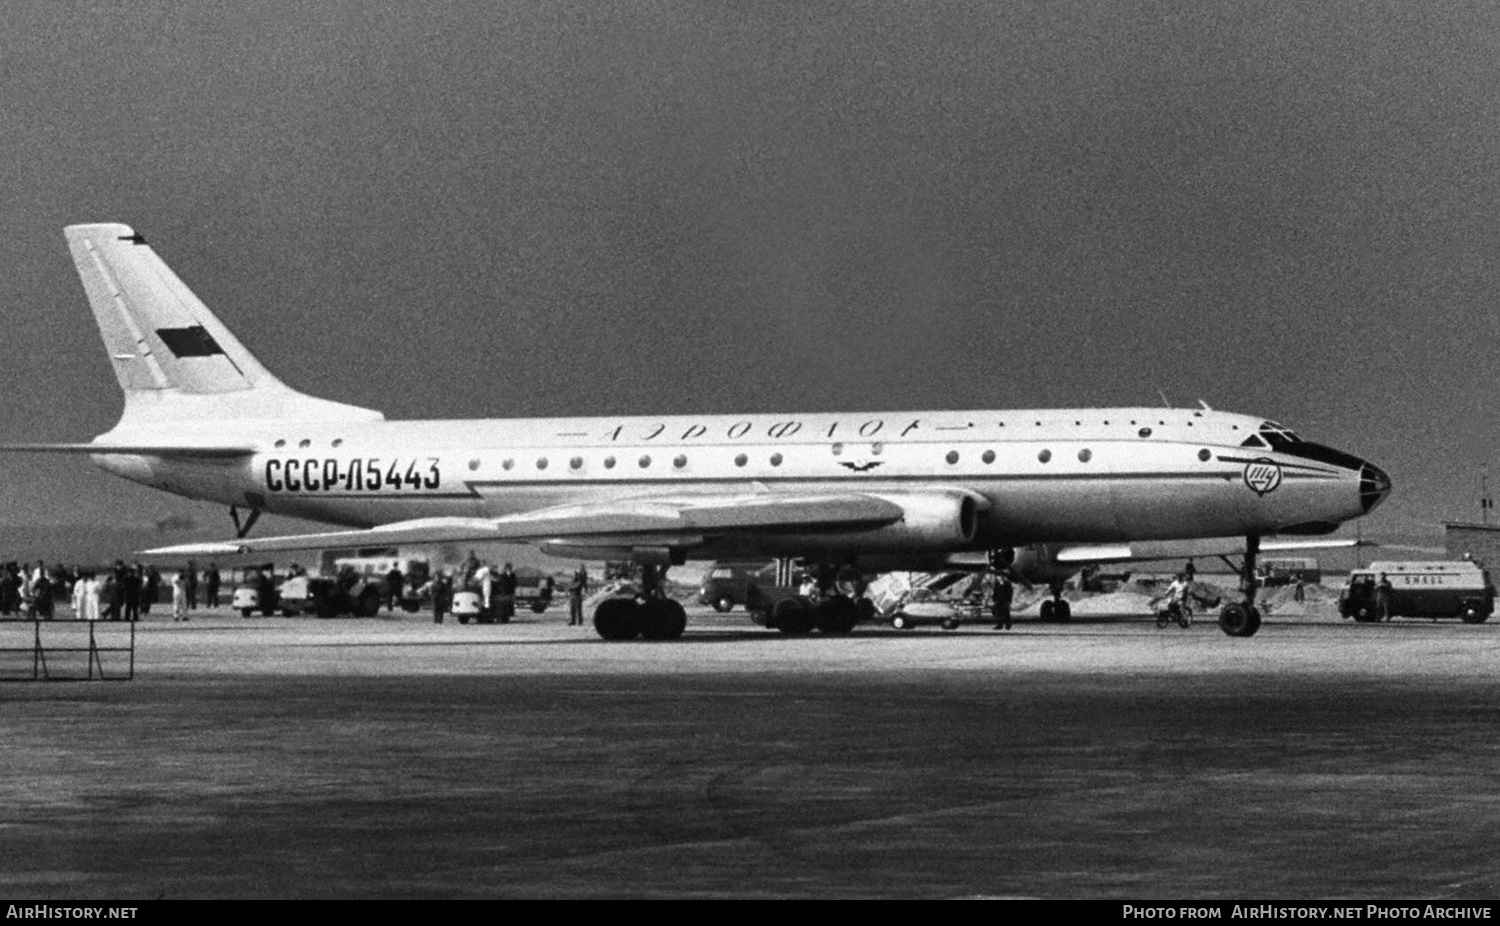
column 1104, row 758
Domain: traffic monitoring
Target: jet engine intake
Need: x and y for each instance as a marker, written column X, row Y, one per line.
column 931, row 522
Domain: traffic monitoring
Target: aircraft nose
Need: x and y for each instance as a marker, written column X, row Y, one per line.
column 1374, row 486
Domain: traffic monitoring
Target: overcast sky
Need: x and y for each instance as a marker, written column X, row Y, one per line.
column 514, row 209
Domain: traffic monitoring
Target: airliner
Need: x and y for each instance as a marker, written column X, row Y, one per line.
column 204, row 419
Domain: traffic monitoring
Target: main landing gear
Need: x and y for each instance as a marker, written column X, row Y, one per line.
column 834, row 608
column 1242, row 619
column 650, row 614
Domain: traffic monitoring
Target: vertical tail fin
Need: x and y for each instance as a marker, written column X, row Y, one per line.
column 173, row 358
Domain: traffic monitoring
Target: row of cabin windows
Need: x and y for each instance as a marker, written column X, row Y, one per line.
column 681, row 460
column 876, row 448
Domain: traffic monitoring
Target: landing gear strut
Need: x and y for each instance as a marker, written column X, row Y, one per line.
column 650, row 614
column 1242, row 619
column 243, row 528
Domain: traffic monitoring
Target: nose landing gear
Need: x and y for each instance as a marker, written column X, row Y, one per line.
column 1242, row 619
column 1058, row 608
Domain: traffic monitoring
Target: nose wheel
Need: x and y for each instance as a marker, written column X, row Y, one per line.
column 1058, row 608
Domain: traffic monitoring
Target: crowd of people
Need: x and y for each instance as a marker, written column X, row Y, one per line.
column 127, row 591
column 123, row 592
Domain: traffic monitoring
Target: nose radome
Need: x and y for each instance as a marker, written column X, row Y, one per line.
column 1374, row 486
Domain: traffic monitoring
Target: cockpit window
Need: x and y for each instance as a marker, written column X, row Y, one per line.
column 1253, row 441
column 1277, row 436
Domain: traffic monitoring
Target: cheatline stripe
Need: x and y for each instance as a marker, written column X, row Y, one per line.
column 831, row 482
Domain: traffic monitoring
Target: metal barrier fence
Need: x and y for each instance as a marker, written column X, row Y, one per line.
column 51, row 638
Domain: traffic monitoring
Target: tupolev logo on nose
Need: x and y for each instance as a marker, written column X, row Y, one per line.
column 1262, row 476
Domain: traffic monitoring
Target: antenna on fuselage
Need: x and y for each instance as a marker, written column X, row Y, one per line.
column 1164, row 401
column 1204, row 405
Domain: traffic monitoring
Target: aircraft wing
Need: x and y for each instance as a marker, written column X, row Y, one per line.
column 638, row 522
column 1143, row 550
column 210, row 451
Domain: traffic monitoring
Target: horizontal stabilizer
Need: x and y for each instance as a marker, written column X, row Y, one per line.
column 640, row 521
column 216, row 451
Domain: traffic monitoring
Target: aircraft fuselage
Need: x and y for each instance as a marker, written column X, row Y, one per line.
column 1032, row 475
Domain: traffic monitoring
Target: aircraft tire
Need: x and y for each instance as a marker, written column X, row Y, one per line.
column 662, row 619
column 1047, row 611
column 794, row 616
column 724, row 604
column 368, row 604
column 1236, row 620
column 837, row 615
column 1064, row 611
column 615, row 619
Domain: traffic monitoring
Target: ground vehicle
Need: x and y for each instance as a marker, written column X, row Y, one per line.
column 1286, row 570
column 324, row 596
column 1174, row 611
column 728, row 584
column 1419, row 589
column 914, row 598
column 469, row 605
column 259, row 592
column 247, row 599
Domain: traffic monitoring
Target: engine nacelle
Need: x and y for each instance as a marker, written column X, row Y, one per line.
column 931, row 522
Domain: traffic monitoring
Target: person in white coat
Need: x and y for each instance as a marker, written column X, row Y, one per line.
column 92, row 589
column 179, row 597
column 80, row 591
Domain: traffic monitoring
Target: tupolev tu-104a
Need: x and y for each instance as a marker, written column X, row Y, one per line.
column 204, row 419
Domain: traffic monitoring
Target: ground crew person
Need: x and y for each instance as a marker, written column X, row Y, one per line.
column 576, row 590
column 1383, row 597
column 505, row 590
column 1004, row 592
column 442, row 597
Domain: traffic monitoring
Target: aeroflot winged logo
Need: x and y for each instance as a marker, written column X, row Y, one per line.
column 1262, row 476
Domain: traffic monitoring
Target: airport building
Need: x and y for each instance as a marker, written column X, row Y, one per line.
column 1479, row 542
